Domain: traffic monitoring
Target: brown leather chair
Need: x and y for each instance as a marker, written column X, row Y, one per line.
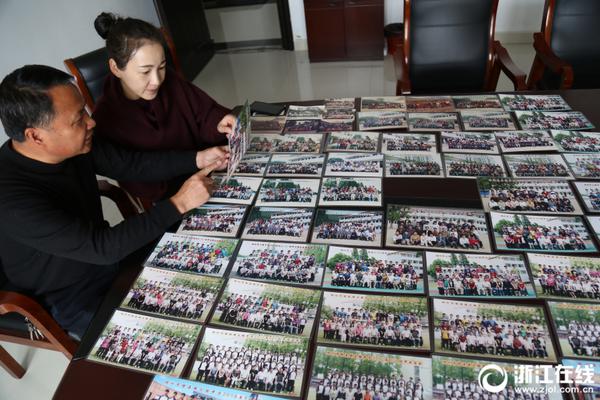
column 449, row 47
column 567, row 52
column 24, row 321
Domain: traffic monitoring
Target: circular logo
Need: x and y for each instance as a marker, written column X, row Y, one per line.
column 484, row 375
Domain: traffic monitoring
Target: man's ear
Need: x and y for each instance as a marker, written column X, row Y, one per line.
column 112, row 65
column 34, row 136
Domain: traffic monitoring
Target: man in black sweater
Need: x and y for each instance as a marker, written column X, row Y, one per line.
column 54, row 242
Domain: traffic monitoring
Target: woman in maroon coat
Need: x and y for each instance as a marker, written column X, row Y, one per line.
column 147, row 106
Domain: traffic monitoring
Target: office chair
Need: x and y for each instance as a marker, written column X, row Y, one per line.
column 567, row 51
column 449, row 47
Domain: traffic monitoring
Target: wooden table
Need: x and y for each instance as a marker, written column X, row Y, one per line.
column 89, row 380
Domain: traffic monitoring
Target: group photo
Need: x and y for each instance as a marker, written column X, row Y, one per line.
column 354, row 164
column 235, row 190
column 288, row 192
column 578, row 328
column 377, row 120
column 348, row 227
column 278, row 223
column 589, row 193
column 383, row 103
column 584, row 166
column 432, row 121
column 252, row 164
column 471, row 166
column 213, row 220
column 374, row 321
column 353, row 192
column 492, row 330
column 299, row 127
column 429, row 104
column 273, row 125
column 303, row 165
column 537, row 166
column 305, row 112
column 253, row 362
column 525, row 141
column 467, row 142
column 531, row 102
column 477, row 102
column 289, row 143
column 417, row 165
column 393, row 143
column 577, row 141
column 485, row 120
column 353, row 141
column 572, row 120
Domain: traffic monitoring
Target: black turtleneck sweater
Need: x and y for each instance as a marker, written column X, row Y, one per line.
column 54, row 242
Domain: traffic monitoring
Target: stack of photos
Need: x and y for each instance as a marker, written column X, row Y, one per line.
column 565, row 277
column 354, row 164
column 213, row 220
column 298, row 165
column 394, row 143
column 477, row 102
column 257, row 306
column 283, row 192
column 305, row 112
column 374, row 321
column 465, row 142
column 533, row 196
column 584, row 165
column 584, row 387
column 348, row 227
column 477, row 120
column 336, row 125
column 572, row 120
column 414, row 165
column 473, row 165
column 235, row 190
column 369, row 270
column 353, row 141
column 253, row 165
column 589, row 192
column 427, row 122
column 540, row 233
column 279, row 224
column 290, row 143
column 537, row 166
column 528, row 102
column 340, row 103
column 429, row 104
column 289, row 263
column 196, row 254
column 267, row 124
column 377, row 120
column 145, row 343
column 576, row 141
column 256, row 362
column 492, row 330
column 351, row 374
column 360, row 192
column 437, row 228
column 385, row 103
column 301, row 126
column 578, row 328
column 466, row 378
column 489, row 276
column 165, row 388
column 525, row 141
column 170, row 294
column 238, row 139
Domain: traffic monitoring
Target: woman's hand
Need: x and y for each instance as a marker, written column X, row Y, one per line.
column 226, row 124
column 218, row 154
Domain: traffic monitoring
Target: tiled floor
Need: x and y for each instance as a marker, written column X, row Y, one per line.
column 231, row 78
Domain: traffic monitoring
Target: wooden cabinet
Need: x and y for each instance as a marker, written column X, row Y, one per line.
column 339, row 30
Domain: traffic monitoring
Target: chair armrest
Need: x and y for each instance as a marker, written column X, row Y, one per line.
column 403, row 86
column 512, row 71
column 552, row 61
column 119, row 196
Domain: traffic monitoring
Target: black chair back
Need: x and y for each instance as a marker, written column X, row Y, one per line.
column 449, row 44
column 93, row 69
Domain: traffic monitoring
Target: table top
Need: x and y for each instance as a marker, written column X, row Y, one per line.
column 91, row 380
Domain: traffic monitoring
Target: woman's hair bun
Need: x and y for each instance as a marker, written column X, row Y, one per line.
column 104, row 23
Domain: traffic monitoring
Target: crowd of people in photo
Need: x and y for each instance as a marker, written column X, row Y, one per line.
column 336, row 384
column 547, row 103
column 169, row 299
column 448, row 232
column 469, row 103
column 594, row 198
column 367, row 104
column 428, row 105
column 250, row 368
column 267, row 125
column 487, row 122
column 281, row 146
column 136, row 348
column 568, row 281
column 581, row 143
column 466, row 279
column 537, row 200
column 204, row 258
column 542, row 238
column 295, row 169
column 263, row 313
column 351, row 193
column 355, row 166
column 409, row 145
column 584, row 338
column 370, row 327
column 278, row 265
column 481, row 334
column 283, row 194
column 350, row 230
column 366, row 144
column 415, row 168
column 375, row 274
column 434, row 124
column 281, row 226
column 516, row 141
column 378, row 122
column 525, row 169
column 474, row 168
column 554, row 121
column 302, row 126
column 215, row 222
column 245, row 167
column 464, row 389
column 226, row 191
column 468, row 143
column 586, row 167
column 335, row 126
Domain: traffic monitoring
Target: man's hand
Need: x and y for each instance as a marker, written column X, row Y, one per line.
column 226, row 124
column 210, row 156
column 196, row 190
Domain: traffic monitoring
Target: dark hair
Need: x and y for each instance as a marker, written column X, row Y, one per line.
column 124, row 36
column 24, row 99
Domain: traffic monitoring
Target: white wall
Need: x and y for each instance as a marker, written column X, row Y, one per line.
column 47, row 32
column 234, row 24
